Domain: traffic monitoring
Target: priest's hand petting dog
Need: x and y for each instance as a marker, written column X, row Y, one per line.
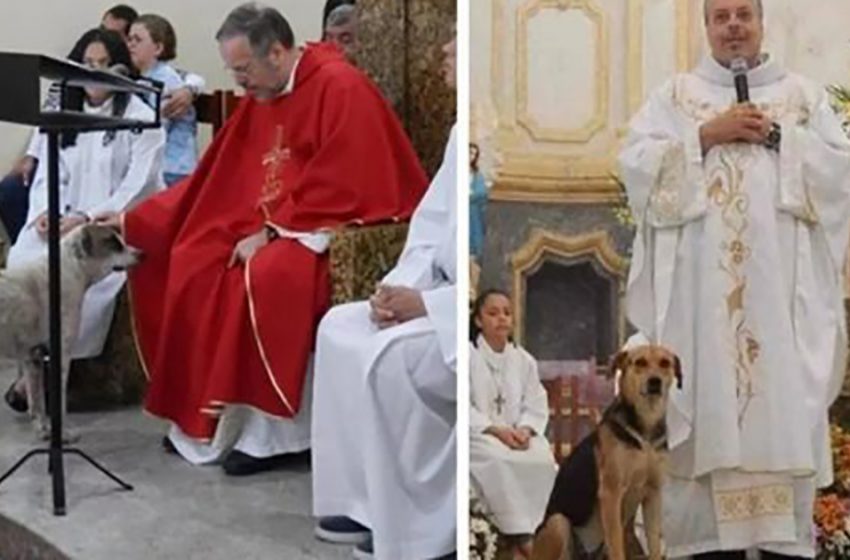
column 110, row 219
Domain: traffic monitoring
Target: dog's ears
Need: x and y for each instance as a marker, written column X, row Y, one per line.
column 112, row 228
column 677, row 364
column 619, row 362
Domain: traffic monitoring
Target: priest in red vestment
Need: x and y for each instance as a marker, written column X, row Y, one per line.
column 235, row 276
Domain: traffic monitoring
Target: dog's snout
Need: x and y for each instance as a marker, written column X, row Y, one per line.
column 654, row 385
column 128, row 258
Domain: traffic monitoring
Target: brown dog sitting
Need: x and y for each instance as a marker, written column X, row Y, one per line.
column 617, row 468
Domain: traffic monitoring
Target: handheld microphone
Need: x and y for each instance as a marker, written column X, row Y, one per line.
column 739, row 68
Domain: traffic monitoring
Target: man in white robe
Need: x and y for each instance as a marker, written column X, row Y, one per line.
column 742, row 215
column 384, row 408
column 384, row 398
column 505, row 391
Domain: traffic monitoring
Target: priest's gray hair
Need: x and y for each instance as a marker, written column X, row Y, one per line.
column 341, row 15
column 261, row 25
column 756, row 4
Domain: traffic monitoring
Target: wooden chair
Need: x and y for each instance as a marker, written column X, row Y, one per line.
column 215, row 108
column 578, row 395
column 209, row 108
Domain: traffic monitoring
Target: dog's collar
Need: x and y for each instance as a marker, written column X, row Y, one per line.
column 631, row 436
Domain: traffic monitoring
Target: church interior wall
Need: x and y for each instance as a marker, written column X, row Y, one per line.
column 52, row 26
column 555, row 82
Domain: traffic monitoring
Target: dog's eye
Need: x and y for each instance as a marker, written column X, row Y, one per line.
column 115, row 244
column 641, row 362
column 664, row 363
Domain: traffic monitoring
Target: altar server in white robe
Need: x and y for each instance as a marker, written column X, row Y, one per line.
column 101, row 171
column 510, row 461
column 742, row 213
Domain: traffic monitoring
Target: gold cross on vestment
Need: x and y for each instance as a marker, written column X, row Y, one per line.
column 273, row 161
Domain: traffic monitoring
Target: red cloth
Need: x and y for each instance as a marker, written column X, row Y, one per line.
column 329, row 153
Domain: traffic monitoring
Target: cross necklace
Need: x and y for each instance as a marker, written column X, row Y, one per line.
column 497, row 372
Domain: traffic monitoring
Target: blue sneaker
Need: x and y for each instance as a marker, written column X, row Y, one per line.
column 365, row 550
column 341, row 530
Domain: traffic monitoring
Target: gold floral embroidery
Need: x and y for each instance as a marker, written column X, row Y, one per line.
column 727, row 193
column 750, row 503
column 664, row 200
column 696, row 109
column 791, row 104
column 273, row 161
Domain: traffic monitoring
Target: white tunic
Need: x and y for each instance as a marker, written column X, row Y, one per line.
column 505, row 390
column 96, row 176
column 384, row 400
column 736, row 267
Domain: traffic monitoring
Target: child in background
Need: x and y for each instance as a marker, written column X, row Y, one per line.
column 153, row 43
column 511, row 464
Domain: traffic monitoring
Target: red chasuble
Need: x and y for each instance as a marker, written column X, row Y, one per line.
column 330, row 152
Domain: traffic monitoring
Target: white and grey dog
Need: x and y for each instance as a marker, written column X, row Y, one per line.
column 87, row 255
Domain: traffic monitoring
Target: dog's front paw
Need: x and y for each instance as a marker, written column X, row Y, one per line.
column 70, row 436
column 42, row 429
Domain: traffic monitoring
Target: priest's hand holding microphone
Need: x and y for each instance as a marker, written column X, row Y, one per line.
column 743, row 122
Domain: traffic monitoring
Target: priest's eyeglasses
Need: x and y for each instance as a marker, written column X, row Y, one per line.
column 242, row 69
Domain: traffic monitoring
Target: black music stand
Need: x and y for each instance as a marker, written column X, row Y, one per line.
column 20, row 102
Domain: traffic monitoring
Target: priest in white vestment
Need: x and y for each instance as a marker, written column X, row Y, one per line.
column 103, row 171
column 510, row 461
column 742, row 213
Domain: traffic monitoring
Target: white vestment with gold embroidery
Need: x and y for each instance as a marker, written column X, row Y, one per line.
column 736, row 267
column 505, row 390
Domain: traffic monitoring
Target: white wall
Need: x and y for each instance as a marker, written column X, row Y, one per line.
column 52, row 27
column 543, row 50
column 812, row 37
